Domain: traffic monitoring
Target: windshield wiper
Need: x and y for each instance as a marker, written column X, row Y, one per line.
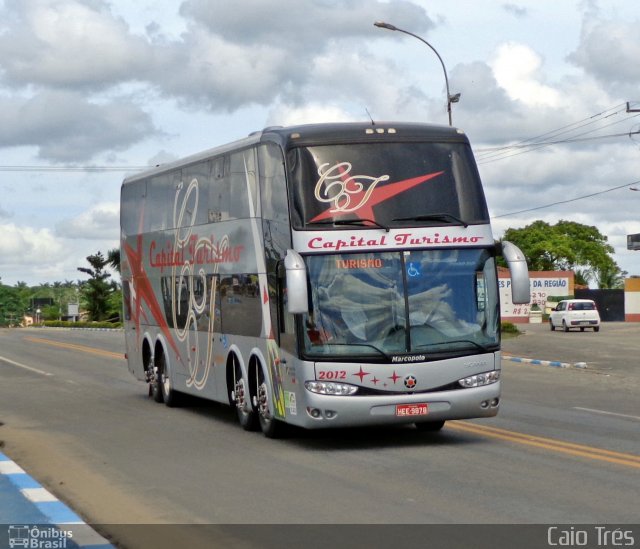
column 367, row 345
column 478, row 346
column 449, row 218
column 475, row 344
column 358, row 222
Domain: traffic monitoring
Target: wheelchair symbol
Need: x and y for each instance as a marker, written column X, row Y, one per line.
column 413, row 270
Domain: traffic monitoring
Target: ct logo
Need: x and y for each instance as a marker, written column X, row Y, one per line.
column 410, row 382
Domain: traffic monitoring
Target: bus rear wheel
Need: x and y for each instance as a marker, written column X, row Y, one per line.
column 270, row 426
column 155, row 383
column 240, row 396
column 169, row 395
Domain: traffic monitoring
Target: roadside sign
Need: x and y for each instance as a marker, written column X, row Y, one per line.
column 633, row 241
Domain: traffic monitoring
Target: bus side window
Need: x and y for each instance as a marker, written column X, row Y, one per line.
column 132, row 205
column 241, row 190
column 215, row 189
column 192, row 191
column 273, row 187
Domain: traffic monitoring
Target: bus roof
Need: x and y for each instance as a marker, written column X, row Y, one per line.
column 358, row 132
column 318, row 134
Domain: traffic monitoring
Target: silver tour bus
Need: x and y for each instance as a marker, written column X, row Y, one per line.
column 327, row 275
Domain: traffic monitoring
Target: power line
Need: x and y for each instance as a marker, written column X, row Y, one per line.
column 550, row 138
column 580, row 123
column 72, row 168
column 617, row 109
column 567, row 201
column 511, row 150
column 570, row 140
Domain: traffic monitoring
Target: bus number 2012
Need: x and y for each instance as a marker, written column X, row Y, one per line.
column 332, row 374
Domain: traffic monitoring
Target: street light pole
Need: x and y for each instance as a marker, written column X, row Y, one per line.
column 450, row 98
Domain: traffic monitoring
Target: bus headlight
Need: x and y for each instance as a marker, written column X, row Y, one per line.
column 479, row 380
column 330, row 388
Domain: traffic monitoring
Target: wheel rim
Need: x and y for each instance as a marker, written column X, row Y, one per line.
column 263, row 403
column 154, row 376
column 240, row 391
column 166, row 381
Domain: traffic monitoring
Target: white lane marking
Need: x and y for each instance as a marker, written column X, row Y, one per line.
column 38, row 495
column 10, row 468
column 25, row 367
column 605, row 413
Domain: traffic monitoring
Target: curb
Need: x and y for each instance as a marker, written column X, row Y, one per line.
column 61, row 519
column 552, row 363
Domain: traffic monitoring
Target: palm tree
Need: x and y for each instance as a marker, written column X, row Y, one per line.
column 610, row 277
column 113, row 258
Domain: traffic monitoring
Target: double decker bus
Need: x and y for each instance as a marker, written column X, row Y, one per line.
column 327, row 275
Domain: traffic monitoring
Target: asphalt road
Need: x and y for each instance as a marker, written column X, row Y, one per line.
column 614, row 350
column 565, row 448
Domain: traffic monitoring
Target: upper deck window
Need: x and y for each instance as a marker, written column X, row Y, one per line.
column 393, row 184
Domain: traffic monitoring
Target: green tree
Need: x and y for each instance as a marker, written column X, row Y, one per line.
column 566, row 246
column 113, row 258
column 97, row 290
column 23, row 291
column 114, row 304
column 12, row 305
column 51, row 312
column 610, row 277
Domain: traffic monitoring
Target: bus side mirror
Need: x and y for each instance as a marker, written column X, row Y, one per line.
column 296, row 273
column 520, row 287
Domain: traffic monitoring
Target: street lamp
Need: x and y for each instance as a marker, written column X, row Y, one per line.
column 450, row 98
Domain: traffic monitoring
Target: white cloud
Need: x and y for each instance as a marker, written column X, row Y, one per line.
column 108, row 82
column 609, row 50
column 100, row 222
column 517, row 69
column 21, row 246
column 302, row 27
column 38, row 256
column 286, row 115
column 66, row 127
column 69, row 43
column 514, row 9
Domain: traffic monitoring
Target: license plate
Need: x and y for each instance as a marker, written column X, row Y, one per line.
column 412, row 409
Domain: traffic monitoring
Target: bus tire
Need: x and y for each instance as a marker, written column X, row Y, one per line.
column 240, row 397
column 430, row 426
column 155, row 389
column 269, row 425
column 169, row 395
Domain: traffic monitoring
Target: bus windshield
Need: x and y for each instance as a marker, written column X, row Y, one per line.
column 376, row 305
column 388, row 184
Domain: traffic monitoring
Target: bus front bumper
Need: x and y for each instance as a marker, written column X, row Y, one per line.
column 323, row 411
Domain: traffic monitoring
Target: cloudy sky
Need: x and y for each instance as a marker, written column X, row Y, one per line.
column 91, row 90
